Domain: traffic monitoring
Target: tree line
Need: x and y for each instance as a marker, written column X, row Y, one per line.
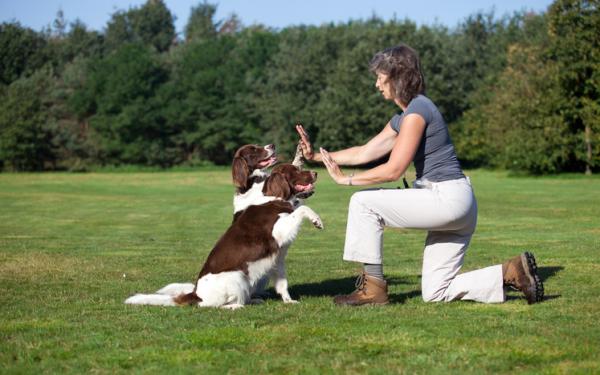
column 519, row 92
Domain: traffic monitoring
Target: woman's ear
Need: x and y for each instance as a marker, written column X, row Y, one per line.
column 240, row 172
column 277, row 186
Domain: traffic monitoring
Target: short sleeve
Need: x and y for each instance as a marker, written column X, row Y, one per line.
column 395, row 123
column 420, row 106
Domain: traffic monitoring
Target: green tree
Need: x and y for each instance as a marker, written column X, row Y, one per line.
column 520, row 128
column 151, row 24
column 574, row 29
column 118, row 97
column 25, row 140
column 296, row 76
column 80, row 41
column 22, row 52
column 350, row 109
column 518, row 122
column 201, row 24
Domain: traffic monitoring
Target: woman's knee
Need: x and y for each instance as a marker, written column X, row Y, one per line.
column 432, row 292
column 357, row 198
column 360, row 200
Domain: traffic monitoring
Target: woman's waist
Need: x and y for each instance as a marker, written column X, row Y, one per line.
column 425, row 183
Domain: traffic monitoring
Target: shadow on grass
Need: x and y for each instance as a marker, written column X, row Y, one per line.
column 544, row 273
column 519, row 296
column 547, row 272
column 402, row 297
column 333, row 287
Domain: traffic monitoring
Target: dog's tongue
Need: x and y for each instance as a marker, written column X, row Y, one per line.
column 303, row 187
column 268, row 162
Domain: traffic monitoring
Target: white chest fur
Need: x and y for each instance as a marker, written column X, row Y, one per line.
column 254, row 196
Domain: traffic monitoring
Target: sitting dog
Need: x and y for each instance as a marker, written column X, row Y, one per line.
column 255, row 245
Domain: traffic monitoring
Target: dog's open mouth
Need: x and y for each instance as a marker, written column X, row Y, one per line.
column 304, row 188
column 266, row 163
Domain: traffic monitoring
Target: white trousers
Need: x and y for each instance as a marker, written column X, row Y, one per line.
column 448, row 211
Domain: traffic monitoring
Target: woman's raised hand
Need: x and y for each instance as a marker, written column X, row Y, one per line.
column 307, row 149
column 333, row 168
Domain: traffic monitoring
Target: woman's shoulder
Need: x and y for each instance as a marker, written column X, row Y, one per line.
column 423, row 106
column 421, row 99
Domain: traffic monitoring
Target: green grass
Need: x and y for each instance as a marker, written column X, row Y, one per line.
column 74, row 246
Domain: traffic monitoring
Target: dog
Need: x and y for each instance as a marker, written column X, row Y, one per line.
column 255, row 245
column 249, row 162
column 252, row 187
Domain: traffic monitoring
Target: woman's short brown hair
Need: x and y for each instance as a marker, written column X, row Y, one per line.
column 402, row 66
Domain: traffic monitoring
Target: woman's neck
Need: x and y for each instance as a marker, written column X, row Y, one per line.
column 400, row 104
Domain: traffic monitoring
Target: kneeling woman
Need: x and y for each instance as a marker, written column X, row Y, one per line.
column 441, row 202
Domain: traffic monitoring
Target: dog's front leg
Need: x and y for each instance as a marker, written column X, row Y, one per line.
column 280, row 277
column 299, row 157
column 287, row 226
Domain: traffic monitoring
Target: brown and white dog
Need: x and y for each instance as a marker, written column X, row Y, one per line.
column 255, row 245
column 249, row 164
column 250, row 178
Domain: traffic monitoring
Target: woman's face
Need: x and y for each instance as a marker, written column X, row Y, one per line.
column 384, row 87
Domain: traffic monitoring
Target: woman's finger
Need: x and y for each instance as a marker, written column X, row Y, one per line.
column 302, row 132
column 304, row 142
column 324, row 155
column 327, row 159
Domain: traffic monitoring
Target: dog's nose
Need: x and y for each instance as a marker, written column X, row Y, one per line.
column 270, row 147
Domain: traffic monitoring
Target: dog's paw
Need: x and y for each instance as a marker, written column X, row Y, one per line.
column 232, row 306
column 291, row 301
column 317, row 222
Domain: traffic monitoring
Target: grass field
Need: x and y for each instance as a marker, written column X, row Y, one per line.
column 74, row 246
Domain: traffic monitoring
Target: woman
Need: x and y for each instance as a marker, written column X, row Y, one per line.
column 441, row 202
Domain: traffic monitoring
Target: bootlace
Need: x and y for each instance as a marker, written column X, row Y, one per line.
column 511, row 283
column 361, row 280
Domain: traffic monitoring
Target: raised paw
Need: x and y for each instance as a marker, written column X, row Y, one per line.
column 317, row 222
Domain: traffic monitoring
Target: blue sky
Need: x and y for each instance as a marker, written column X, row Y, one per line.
column 95, row 13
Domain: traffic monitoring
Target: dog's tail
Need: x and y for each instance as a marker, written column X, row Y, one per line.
column 187, row 299
column 176, row 289
column 151, row 299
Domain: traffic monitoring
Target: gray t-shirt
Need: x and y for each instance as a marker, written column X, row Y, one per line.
column 435, row 159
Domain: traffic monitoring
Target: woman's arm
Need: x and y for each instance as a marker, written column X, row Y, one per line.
column 375, row 148
column 403, row 152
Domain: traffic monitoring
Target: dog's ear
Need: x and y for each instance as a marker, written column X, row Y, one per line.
column 277, row 186
column 240, row 172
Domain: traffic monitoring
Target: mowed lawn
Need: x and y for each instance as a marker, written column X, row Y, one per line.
column 74, row 246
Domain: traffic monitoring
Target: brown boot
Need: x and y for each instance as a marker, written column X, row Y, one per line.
column 520, row 272
column 369, row 290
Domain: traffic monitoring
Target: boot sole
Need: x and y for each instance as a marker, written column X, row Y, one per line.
column 530, row 267
column 360, row 304
column 363, row 304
